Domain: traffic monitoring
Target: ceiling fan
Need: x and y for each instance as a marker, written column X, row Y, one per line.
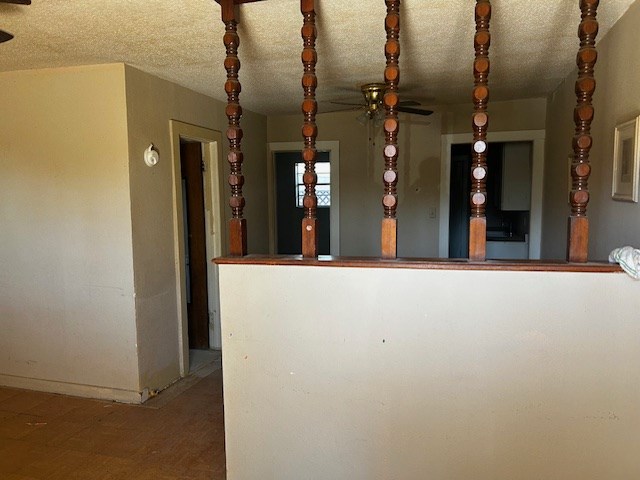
column 6, row 36
column 373, row 108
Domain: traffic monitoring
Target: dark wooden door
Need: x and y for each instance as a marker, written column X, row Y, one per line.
column 289, row 212
column 459, row 208
column 195, row 245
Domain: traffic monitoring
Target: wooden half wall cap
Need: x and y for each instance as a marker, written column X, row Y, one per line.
column 238, row 2
column 228, row 8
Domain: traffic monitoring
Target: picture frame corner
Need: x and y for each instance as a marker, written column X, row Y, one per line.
column 626, row 161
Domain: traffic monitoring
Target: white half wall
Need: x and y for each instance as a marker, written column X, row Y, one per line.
column 379, row 373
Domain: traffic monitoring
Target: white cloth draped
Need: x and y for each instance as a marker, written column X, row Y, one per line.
column 629, row 260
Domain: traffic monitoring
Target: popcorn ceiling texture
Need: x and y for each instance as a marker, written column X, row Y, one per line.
column 533, row 45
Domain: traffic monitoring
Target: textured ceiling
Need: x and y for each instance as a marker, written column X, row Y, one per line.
column 533, row 46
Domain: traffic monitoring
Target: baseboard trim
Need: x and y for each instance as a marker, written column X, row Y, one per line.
column 74, row 389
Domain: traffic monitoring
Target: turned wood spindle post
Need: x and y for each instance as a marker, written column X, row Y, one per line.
column 391, row 128
column 237, row 224
column 309, row 130
column 480, row 121
column 578, row 225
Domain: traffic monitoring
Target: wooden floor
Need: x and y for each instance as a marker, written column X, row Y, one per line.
column 53, row 437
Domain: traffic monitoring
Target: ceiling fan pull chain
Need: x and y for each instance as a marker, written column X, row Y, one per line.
column 478, row 195
column 309, row 130
column 391, row 128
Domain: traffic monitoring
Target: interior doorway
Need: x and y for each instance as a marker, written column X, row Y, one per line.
column 198, row 219
column 327, row 190
column 534, row 141
column 508, row 205
column 195, row 251
column 289, row 208
column 459, row 208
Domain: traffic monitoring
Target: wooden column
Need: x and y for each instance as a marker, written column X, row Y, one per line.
column 237, row 224
column 391, row 128
column 578, row 228
column 478, row 196
column 309, row 130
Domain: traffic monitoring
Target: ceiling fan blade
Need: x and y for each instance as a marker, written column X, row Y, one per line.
column 5, row 36
column 415, row 111
column 349, row 104
column 408, row 103
column 345, row 109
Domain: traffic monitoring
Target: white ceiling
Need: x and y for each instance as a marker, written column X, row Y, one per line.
column 533, row 45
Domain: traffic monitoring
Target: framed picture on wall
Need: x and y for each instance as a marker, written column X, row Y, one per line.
column 626, row 157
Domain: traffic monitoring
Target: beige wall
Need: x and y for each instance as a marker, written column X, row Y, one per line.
column 88, row 279
column 617, row 99
column 360, row 184
column 398, row 374
column 505, row 116
column 151, row 104
column 66, row 277
column 419, row 165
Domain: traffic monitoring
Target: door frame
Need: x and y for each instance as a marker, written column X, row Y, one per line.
column 333, row 148
column 211, row 141
column 537, row 137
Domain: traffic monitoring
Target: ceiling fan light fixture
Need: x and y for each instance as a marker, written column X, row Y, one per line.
column 363, row 118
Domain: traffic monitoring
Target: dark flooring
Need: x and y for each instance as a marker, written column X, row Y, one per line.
column 177, row 435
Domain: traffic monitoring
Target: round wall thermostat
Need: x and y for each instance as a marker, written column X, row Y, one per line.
column 151, row 156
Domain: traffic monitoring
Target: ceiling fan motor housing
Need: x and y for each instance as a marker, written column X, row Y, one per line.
column 373, row 93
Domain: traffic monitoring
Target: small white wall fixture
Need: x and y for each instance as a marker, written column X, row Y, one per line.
column 211, row 153
column 537, row 137
column 333, row 148
column 151, row 156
